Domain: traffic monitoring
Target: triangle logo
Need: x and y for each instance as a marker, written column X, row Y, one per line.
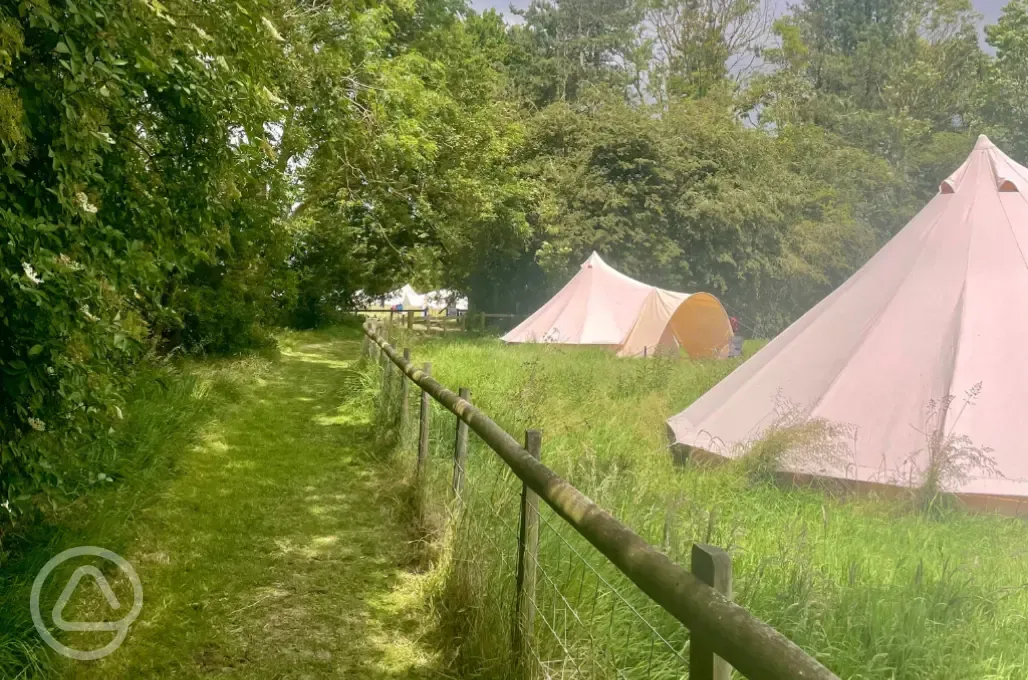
column 69, row 590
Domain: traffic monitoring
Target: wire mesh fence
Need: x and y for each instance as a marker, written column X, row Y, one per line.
column 553, row 605
column 590, row 620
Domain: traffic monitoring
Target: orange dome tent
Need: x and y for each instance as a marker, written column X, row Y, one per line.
column 603, row 307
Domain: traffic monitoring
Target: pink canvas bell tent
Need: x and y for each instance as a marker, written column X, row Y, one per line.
column 938, row 311
column 603, row 307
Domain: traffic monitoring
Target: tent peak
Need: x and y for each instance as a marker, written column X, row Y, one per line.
column 593, row 260
column 922, row 319
column 987, row 161
column 983, row 143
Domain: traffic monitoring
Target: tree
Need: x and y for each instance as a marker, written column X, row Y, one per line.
column 704, row 45
column 407, row 174
column 135, row 169
column 566, row 46
column 1005, row 91
column 896, row 79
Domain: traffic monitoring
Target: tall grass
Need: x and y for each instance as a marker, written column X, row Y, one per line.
column 120, row 476
column 951, row 458
column 868, row 586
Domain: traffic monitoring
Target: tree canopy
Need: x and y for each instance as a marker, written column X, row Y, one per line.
column 182, row 176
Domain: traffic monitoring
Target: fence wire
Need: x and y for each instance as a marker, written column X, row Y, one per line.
column 590, row 620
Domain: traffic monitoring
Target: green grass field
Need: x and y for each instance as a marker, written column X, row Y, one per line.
column 869, row 586
column 248, row 497
column 271, row 512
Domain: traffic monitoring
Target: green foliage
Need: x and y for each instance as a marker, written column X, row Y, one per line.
column 885, row 76
column 164, row 410
column 407, row 170
column 138, row 206
column 688, row 198
column 701, row 48
column 492, row 159
column 651, row 139
column 793, row 441
column 567, row 47
column 948, row 459
column 183, row 176
column 649, row 191
column 1005, row 100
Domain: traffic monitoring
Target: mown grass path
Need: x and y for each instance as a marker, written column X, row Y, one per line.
column 276, row 551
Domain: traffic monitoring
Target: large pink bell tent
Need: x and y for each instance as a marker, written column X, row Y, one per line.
column 603, row 307
column 939, row 311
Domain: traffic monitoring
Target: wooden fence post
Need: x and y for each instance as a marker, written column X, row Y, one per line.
column 404, row 396
column 383, row 358
column 365, row 349
column 713, row 566
column 718, row 626
column 481, row 321
column 528, row 554
column 410, row 319
column 376, row 351
column 423, row 433
column 386, row 374
column 460, row 450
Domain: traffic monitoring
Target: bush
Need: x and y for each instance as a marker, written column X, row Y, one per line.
column 139, row 202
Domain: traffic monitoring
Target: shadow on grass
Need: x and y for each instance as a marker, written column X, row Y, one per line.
column 274, row 551
column 166, row 412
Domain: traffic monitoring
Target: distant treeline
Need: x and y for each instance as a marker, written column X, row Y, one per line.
column 181, row 176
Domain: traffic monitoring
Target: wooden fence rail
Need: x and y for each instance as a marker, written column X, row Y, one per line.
column 462, row 321
column 698, row 600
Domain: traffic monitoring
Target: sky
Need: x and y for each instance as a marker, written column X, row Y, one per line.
column 989, row 9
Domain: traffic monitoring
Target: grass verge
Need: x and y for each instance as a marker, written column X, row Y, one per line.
column 261, row 523
column 871, row 588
